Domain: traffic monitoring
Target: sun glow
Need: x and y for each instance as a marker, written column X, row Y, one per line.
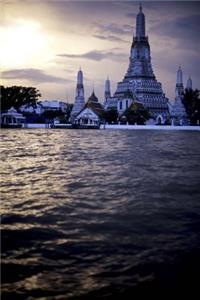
column 22, row 44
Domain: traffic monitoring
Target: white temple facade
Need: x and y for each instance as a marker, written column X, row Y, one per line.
column 79, row 99
column 92, row 115
column 139, row 83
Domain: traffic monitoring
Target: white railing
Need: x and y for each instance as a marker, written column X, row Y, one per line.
column 147, row 127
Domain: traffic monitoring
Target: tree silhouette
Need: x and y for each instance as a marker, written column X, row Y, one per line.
column 111, row 116
column 136, row 113
column 68, row 112
column 49, row 115
column 17, row 96
column 191, row 101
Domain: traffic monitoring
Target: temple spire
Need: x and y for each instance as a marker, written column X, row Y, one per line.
column 189, row 84
column 80, row 77
column 140, row 23
column 179, row 77
column 179, row 83
column 178, row 111
column 107, row 92
column 79, row 98
column 107, row 85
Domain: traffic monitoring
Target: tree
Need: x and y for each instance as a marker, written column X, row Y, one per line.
column 68, row 112
column 17, row 96
column 136, row 113
column 111, row 116
column 191, row 101
column 50, row 115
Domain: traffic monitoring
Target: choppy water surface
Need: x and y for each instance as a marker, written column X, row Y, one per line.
column 99, row 214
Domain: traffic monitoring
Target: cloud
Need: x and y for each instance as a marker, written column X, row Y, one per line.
column 111, row 38
column 132, row 15
column 112, row 32
column 182, row 28
column 34, row 75
column 114, row 28
column 183, row 46
column 96, row 55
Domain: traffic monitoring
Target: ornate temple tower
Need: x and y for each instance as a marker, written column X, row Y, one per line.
column 178, row 112
column 139, row 83
column 179, row 89
column 189, row 84
column 107, row 92
column 140, row 59
column 79, row 99
column 140, row 23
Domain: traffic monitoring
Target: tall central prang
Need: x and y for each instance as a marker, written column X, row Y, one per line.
column 140, row 59
column 139, row 83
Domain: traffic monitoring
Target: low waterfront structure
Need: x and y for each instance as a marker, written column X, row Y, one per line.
column 54, row 105
column 12, row 119
column 38, row 109
column 92, row 115
column 42, row 106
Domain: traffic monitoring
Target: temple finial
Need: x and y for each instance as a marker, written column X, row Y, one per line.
column 140, row 24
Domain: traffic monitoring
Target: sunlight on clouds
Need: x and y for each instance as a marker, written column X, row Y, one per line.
column 23, row 44
column 75, row 43
column 35, row 33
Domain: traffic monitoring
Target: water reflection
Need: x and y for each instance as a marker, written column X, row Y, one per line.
column 98, row 213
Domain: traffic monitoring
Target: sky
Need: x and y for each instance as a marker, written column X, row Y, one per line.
column 45, row 42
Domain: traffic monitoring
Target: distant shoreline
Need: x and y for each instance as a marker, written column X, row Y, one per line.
column 112, row 127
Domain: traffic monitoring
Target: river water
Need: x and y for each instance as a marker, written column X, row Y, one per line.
column 99, row 214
